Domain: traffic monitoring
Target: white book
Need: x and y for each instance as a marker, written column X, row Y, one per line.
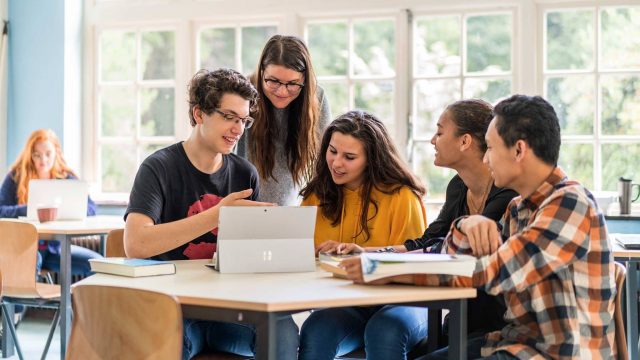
column 381, row 265
column 132, row 267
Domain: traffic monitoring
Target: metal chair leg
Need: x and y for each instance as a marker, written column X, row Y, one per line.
column 54, row 325
column 12, row 330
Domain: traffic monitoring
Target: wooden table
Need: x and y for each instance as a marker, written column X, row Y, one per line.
column 63, row 231
column 631, row 258
column 261, row 299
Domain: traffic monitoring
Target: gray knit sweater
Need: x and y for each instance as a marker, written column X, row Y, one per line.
column 282, row 190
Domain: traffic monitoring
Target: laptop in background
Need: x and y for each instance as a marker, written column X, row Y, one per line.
column 69, row 196
column 628, row 241
column 266, row 239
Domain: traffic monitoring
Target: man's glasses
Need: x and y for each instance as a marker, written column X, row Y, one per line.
column 246, row 121
column 274, row 85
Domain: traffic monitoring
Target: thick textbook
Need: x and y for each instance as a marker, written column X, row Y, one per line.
column 381, row 265
column 132, row 267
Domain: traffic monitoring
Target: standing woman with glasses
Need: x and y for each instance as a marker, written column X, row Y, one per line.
column 42, row 158
column 291, row 113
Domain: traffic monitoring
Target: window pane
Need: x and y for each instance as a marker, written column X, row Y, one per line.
column 118, row 167
column 158, row 55
column 577, row 161
column 253, row 40
column 620, row 44
column 619, row 160
column 436, row 178
column 569, row 40
column 489, row 43
column 374, row 46
column 487, row 89
column 574, row 100
column 338, row 96
column 117, row 111
column 437, row 46
column 376, row 98
column 431, row 97
column 157, row 108
column 117, row 56
column 328, row 47
column 620, row 105
column 218, row 48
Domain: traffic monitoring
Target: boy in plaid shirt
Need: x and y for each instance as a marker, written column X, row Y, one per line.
column 554, row 268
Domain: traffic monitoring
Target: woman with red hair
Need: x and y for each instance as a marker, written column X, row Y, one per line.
column 42, row 158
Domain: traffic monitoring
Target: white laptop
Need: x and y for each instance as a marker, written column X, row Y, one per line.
column 266, row 239
column 628, row 241
column 69, row 196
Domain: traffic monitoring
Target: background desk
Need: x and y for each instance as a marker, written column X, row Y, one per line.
column 63, row 231
column 260, row 299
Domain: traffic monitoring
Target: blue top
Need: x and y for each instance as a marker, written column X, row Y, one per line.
column 9, row 207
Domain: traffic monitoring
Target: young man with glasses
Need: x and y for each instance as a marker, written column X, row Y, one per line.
column 178, row 191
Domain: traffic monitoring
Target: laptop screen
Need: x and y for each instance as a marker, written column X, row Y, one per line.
column 69, row 196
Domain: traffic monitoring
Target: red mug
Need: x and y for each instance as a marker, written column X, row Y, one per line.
column 47, row 214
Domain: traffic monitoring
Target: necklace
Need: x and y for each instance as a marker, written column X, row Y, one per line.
column 474, row 208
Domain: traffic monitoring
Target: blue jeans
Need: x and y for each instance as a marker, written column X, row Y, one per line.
column 79, row 260
column 474, row 345
column 199, row 335
column 387, row 332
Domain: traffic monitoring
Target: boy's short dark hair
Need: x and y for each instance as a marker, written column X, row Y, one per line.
column 532, row 119
column 206, row 89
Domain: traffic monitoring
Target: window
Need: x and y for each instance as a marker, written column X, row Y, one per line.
column 355, row 62
column 237, row 47
column 591, row 76
column 136, row 101
column 454, row 57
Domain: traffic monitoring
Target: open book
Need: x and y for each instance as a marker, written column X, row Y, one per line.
column 132, row 267
column 380, row 265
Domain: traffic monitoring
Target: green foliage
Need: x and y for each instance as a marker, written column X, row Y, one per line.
column 620, row 42
column 621, row 105
column 328, row 46
column 253, row 41
column 569, row 40
column 577, row 161
column 158, row 109
column 158, row 55
column 437, row 45
column 573, row 98
column 374, row 47
column 118, row 55
column 619, row 160
column 118, row 111
column 489, row 43
column 217, row 48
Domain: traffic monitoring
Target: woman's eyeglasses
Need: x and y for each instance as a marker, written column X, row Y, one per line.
column 246, row 121
column 274, row 85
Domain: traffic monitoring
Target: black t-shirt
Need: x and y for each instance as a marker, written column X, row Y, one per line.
column 169, row 188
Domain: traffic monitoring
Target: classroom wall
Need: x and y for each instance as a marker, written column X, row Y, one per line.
column 44, row 65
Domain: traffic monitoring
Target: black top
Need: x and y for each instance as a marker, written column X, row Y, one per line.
column 485, row 312
column 169, row 188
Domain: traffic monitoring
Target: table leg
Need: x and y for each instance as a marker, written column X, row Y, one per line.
column 458, row 330
column 266, row 336
column 631, row 285
column 65, row 292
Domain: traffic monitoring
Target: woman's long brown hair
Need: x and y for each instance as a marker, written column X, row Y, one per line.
column 301, row 146
column 24, row 170
column 385, row 170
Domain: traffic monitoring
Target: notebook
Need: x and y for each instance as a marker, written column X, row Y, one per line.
column 69, row 196
column 266, row 239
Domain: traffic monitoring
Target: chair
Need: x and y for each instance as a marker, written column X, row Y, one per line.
column 18, row 248
column 115, row 244
column 621, row 339
column 115, row 323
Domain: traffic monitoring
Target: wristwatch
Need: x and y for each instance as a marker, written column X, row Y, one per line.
column 387, row 249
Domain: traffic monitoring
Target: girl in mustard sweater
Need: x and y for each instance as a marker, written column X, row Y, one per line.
column 366, row 195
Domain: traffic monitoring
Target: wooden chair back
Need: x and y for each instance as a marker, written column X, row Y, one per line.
column 18, row 254
column 115, row 244
column 116, row 323
column 621, row 339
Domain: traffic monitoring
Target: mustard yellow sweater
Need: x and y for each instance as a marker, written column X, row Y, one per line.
column 400, row 216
